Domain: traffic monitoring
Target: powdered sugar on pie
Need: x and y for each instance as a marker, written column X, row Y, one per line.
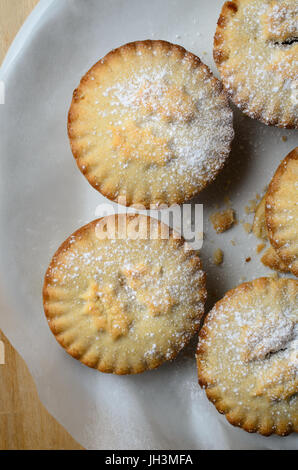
column 247, row 356
column 256, row 50
column 149, row 122
column 122, row 304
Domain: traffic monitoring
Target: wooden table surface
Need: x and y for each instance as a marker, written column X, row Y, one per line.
column 24, row 422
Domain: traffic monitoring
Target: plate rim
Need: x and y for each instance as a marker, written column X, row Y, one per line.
column 23, row 35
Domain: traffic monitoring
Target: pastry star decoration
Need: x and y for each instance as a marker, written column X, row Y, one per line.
column 171, row 102
column 136, row 143
column 142, row 279
column 107, row 312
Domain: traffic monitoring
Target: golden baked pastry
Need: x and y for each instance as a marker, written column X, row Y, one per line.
column 270, row 258
column 282, row 211
column 150, row 124
column 256, row 50
column 248, row 356
column 259, row 223
column 223, row 221
column 120, row 301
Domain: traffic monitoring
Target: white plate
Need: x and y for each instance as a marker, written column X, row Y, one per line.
column 44, row 198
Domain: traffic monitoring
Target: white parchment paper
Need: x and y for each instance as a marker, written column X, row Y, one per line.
column 44, row 198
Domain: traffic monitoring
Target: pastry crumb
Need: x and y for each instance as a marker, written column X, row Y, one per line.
column 284, row 138
column 248, row 259
column 224, row 220
column 260, row 247
column 247, row 227
column 218, row 256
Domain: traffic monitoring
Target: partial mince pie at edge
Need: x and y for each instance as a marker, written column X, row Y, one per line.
column 149, row 124
column 124, row 302
column 281, row 211
column 248, row 356
column 256, row 52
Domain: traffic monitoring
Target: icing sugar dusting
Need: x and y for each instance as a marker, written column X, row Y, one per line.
column 260, row 67
column 199, row 139
column 252, row 347
column 272, row 336
column 135, row 300
column 154, row 125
